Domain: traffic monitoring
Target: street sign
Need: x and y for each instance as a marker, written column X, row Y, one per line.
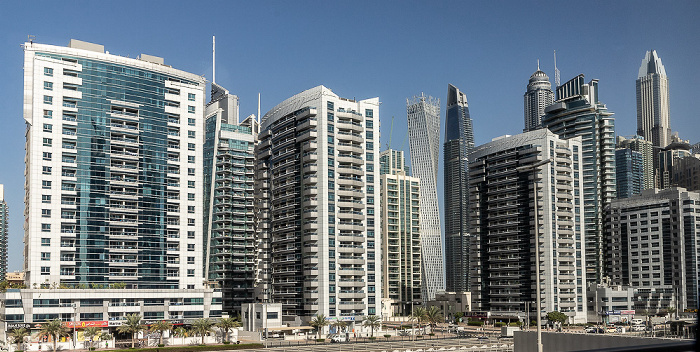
column 12, row 326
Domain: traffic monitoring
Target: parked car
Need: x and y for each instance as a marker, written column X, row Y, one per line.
column 339, row 338
column 591, row 330
column 638, row 328
column 611, row 330
column 637, row 321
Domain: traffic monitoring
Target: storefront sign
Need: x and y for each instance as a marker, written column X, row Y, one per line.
column 115, row 323
column 12, row 326
column 612, row 312
column 86, row 324
column 480, row 315
column 627, row 312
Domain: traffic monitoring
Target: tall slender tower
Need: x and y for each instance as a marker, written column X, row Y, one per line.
column 4, row 228
column 424, row 138
column 538, row 96
column 459, row 141
column 653, row 111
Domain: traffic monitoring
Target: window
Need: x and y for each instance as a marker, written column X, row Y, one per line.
column 370, row 135
column 45, row 198
column 191, row 122
column 45, row 213
column 48, row 99
column 45, row 227
column 190, row 184
column 48, row 114
column 190, row 109
column 190, row 260
column 190, row 146
column 46, row 156
column 48, row 127
column 190, row 222
column 190, row 196
column 46, row 170
column 190, row 171
column 190, row 234
column 47, row 142
column 45, row 270
column 46, row 184
column 190, row 247
column 190, row 134
column 369, row 124
column 45, row 256
column 48, row 71
column 45, row 242
column 190, row 209
column 369, row 113
column 190, row 272
column 330, row 105
column 48, row 85
column 190, row 159
column 191, row 96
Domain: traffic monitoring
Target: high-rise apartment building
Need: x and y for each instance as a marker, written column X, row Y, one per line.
column 653, row 244
column 401, row 250
column 538, row 96
column 4, row 231
column 424, row 139
column 113, row 188
column 668, row 159
column 507, row 201
column 578, row 112
column 459, row 141
column 639, row 144
column 229, row 175
column 653, row 109
column 629, row 168
column 318, row 205
column 686, row 173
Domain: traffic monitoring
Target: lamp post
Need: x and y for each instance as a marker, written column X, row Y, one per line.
column 75, row 322
column 534, row 168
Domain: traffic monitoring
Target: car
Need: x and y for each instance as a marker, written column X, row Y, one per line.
column 638, row 328
column 637, row 321
column 339, row 338
column 591, row 330
column 611, row 330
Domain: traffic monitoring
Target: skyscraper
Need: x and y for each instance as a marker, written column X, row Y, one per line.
column 459, row 141
column 538, row 96
column 401, row 262
column 228, row 199
column 318, row 205
column 578, row 112
column 639, row 144
column 113, row 169
column 4, row 230
column 502, row 203
column 629, row 167
column 424, row 138
column 653, row 110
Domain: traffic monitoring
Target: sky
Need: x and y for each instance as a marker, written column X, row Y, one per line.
column 393, row 50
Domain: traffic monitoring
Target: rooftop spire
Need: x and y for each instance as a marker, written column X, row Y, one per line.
column 213, row 58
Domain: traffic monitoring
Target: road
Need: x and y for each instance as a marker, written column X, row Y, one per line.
column 400, row 346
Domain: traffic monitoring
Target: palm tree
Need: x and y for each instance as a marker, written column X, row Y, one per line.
column 132, row 326
column 161, row 326
column 55, row 329
column 18, row 335
column 419, row 314
column 180, row 331
column 318, row 322
column 203, row 327
column 373, row 322
column 339, row 326
column 91, row 333
column 227, row 324
column 434, row 315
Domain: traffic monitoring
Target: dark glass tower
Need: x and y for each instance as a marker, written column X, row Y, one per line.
column 459, row 141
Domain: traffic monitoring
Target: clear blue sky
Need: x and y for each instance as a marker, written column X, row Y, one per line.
column 387, row 49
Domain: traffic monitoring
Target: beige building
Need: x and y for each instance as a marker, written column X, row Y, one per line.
column 452, row 302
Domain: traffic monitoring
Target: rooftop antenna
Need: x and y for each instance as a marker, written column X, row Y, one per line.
column 31, row 38
column 557, row 80
column 538, row 64
column 213, row 58
column 258, row 108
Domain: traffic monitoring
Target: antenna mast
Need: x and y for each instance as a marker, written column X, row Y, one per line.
column 213, row 58
column 259, row 108
column 557, row 80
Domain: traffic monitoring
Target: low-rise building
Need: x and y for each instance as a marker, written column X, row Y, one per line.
column 451, row 303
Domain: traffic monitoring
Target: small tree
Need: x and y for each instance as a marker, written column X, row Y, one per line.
column 203, row 327
column 458, row 317
column 419, row 315
column 18, row 335
column 227, row 324
column 91, row 333
column 373, row 322
column 339, row 326
column 161, row 326
column 318, row 322
column 132, row 326
column 55, row 329
column 557, row 317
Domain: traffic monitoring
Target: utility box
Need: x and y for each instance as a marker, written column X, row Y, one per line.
column 507, row 331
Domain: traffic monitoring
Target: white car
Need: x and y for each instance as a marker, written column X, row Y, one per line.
column 339, row 338
column 638, row 328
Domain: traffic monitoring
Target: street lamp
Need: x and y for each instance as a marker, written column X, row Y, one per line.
column 75, row 320
column 534, row 168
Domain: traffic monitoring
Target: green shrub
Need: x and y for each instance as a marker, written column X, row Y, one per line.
column 387, row 336
column 161, row 345
column 320, row 340
column 475, row 323
column 499, row 324
column 432, row 334
column 372, row 338
column 515, row 323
